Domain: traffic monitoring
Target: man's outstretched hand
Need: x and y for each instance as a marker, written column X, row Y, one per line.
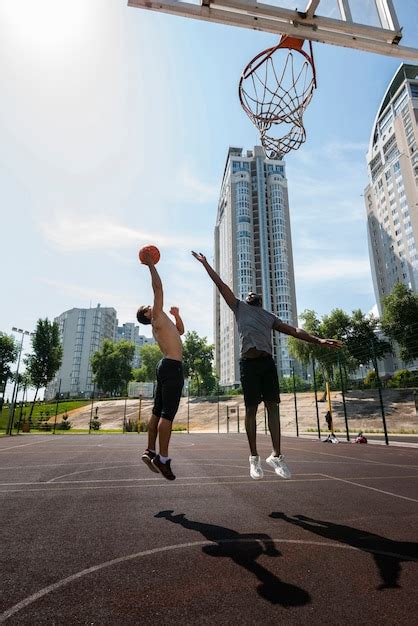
column 335, row 344
column 174, row 311
column 199, row 256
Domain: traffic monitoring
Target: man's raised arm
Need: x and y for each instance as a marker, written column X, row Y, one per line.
column 299, row 333
column 157, row 285
column 224, row 290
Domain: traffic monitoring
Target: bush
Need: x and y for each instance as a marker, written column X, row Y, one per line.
column 404, row 378
column 65, row 424
column 131, row 426
column 95, row 424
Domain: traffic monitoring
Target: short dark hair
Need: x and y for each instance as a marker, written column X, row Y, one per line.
column 141, row 317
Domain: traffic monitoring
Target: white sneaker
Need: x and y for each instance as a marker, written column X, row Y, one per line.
column 256, row 471
column 279, row 466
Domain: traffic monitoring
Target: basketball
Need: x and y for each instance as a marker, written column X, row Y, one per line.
column 153, row 250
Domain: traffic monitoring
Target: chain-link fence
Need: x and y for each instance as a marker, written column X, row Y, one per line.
column 353, row 409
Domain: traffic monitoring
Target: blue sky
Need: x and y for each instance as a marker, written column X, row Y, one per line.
column 115, row 124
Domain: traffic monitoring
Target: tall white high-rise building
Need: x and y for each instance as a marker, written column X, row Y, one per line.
column 392, row 194
column 253, row 252
column 82, row 334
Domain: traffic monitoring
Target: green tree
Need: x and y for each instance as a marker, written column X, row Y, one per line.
column 139, row 374
column 44, row 362
column 197, row 361
column 112, row 366
column 150, row 356
column 8, row 354
column 363, row 344
column 400, row 320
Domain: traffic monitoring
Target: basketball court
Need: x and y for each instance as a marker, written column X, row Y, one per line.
column 91, row 536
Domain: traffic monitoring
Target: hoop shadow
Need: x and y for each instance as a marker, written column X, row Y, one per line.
column 387, row 553
column 244, row 549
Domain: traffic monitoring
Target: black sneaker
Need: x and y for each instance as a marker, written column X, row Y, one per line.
column 163, row 468
column 147, row 458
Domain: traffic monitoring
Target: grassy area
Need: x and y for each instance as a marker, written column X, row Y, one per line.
column 42, row 410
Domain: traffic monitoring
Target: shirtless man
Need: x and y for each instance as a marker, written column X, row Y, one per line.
column 170, row 378
column 258, row 372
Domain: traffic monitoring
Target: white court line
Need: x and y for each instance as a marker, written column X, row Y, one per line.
column 152, row 478
column 320, row 478
column 129, row 557
column 23, row 445
column 387, row 493
column 355, row 459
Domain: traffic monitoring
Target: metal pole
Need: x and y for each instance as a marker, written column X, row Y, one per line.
column 188, row 407
column 316, row 398
column 379, row 386
column 227, row 419
column 295, row 400
column 91, row 410
column 343, row 395
column 56, row 407
column 124, row 417
column 238, row 416
column 138, row 428
column 217, row 389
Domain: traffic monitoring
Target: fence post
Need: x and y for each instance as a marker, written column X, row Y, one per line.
column 343, row 395
column 217, row 391
column 124, row 417
column 56, row 406
column 379, row 386
column 91, row 410
column 316, row 398
column 295, row 400
column 139, row 413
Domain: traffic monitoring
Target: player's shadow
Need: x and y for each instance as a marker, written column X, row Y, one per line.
column 387, row 554
column 244, row 549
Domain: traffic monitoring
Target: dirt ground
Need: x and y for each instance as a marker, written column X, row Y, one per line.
column 205, row 414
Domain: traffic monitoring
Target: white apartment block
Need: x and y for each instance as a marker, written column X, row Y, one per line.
column 130, row 332
column 253, row 252
column 392, row 194
column 82, row 334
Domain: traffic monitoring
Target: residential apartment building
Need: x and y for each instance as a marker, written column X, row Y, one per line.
column 253, row 251
column 82, row 334
column 392, row 194
column 130, row 332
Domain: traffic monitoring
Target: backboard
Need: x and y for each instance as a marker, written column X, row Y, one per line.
column 369, row 25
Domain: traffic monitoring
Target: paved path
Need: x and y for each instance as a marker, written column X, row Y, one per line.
column 90, row 536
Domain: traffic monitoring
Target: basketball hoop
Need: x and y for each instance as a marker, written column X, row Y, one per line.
column 273, row 92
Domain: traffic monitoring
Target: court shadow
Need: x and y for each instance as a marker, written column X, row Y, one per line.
column 387, row 553
column 244, row 549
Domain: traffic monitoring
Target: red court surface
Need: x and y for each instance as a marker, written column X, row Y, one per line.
column 90, row 536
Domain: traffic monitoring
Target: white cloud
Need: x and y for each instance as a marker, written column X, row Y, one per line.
column 71, row 232
column 325, row 269
column 190, row 188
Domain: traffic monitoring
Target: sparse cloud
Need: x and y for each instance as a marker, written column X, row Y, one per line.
column 70, row 232
column 345, row 269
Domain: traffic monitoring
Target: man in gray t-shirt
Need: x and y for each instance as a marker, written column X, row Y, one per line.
column 258, row 372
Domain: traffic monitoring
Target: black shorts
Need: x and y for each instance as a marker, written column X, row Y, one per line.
column 170, row 381
column 259, row 380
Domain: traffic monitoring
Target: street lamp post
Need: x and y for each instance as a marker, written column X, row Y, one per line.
column 16, row 384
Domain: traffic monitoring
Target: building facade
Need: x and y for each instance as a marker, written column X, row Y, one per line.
column 130, row 332
column 392, row 194
column 82, row 334
column 253, row 252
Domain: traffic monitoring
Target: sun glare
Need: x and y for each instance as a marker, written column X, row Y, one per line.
column 45, row 23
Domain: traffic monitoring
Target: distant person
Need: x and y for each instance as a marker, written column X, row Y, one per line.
column 258, row 371
column 170, row 377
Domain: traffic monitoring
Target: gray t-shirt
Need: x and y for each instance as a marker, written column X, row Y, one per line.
column 254, row 327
